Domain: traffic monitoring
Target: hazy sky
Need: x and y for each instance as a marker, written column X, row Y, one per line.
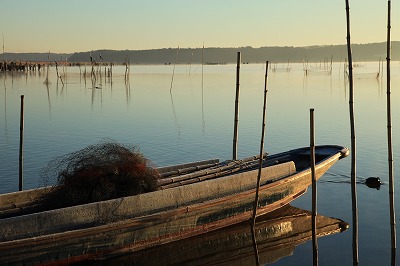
column 84, row 25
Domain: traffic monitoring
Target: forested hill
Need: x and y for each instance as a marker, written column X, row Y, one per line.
column 361, row 52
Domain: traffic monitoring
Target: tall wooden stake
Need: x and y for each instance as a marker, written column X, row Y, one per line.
column 353, row 141
column 255, row 206
column 202, row 89
column 4, row 63
column 47, row 82
column 261, row 146
column 236, row 121
column 390, row 151
column 21, row 145
column 314, row 189
column 202, row 67
column 3, row 47
column 173, row 70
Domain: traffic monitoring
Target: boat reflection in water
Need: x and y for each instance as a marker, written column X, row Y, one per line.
column 277, row 234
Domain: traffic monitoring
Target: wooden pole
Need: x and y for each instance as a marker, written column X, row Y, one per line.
column 390, row 151
column 202, row 67
column 3, row 46
column 21, row 145
column 260, row 165
column 353, row 141
column 126, row 70
column 236, row 120
column 4, row 64
column 111, row 71
column 261, row 146
column 197, row 174
column 202, row 89
column 58, row 76
column 173, row 70
column 47, row 82
column 314, row 189
column 3, row 49
column 56, row 70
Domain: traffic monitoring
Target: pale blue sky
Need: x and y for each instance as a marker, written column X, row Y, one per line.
column 84, row 25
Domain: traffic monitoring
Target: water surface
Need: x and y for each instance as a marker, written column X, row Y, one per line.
column 193, row 120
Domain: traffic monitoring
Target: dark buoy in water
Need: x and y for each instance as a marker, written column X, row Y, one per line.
column 373, row 182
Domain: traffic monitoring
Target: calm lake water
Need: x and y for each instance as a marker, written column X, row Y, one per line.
column 194, row 121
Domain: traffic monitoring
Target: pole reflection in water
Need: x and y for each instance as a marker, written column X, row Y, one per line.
column 128, row 91
column 177, row 126
column 48, row 98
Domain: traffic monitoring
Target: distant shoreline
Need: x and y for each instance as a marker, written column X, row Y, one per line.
column 326, row 53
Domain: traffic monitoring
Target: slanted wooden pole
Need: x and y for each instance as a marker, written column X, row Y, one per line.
column 236, row 120
column 21, row 145
column 314, row 189
column 390, row 150
column 173, row 70
column 353, row 141
column 261, row 158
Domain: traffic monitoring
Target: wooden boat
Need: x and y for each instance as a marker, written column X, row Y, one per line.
column 193, row 199
column 277, row 235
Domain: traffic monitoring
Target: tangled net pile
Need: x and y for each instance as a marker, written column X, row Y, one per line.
column 98, row 172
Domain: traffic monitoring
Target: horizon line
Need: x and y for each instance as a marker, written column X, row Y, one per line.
column 211, row 47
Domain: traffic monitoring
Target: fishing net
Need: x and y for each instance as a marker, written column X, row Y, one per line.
column 98, row 172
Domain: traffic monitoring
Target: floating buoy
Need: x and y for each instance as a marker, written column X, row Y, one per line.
column 373, row 182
